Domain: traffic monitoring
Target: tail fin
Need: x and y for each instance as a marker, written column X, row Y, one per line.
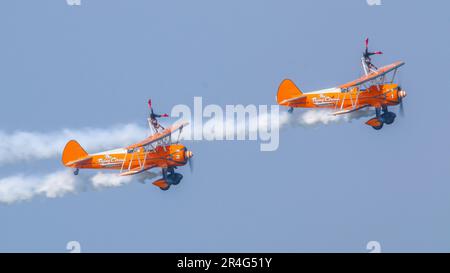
column 72, row 152
column 287, row 90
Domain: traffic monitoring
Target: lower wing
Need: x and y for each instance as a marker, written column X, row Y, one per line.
column 136, row 170
column 350, row 110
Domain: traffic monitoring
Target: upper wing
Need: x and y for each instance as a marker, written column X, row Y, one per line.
column 373, row 75
column 158, row 136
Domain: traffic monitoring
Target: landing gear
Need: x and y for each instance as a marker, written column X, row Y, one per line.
column 378, row 127
column 377, row 121
column 162, row 184
column 387, row 117
column 291, row 109
column 174, row 178
column 165, row 188
column 170, row 177
column 381, row 118
column 76, row 171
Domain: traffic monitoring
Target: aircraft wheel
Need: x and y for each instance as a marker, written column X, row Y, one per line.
column 388, row 117
column 175, row 178
column 378, row 127
column 389, row 121
column 165, row 188
column 76, row 171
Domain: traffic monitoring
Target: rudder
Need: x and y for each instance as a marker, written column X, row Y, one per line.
column 72, row 152
column 287, row 90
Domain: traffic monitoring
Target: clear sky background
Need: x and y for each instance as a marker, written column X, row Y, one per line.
column 330, row 188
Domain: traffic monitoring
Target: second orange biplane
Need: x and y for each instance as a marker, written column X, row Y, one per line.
column 156, row 151
column 371, row 90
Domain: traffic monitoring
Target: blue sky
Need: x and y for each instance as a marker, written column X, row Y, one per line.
column 330, row 188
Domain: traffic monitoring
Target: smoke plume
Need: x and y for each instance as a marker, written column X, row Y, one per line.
column 23, row 145
column 19, row 187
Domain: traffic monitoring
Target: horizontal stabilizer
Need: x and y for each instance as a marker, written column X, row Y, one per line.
column 293, row 100
column 78, row 161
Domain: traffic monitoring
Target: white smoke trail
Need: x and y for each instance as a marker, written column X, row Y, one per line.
column 32, row 145
column 249, row 128
column 22, row 145
column 108, row 180
column 313, row 118
column 18, row 188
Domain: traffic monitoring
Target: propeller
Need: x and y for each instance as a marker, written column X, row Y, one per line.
column 402, row 110
column 190, row 161
column 401, row 95
column 191, row 164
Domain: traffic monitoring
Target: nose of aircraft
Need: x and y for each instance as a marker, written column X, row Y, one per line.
column 189, row 154
column 402, row 93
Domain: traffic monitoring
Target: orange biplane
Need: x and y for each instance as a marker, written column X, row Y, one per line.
column 371, row 90
column 157, row 150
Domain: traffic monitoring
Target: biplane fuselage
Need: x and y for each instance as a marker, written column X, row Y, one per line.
column 157, row 150
column 173, row 155
column 350, row 97
column 375, row 96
